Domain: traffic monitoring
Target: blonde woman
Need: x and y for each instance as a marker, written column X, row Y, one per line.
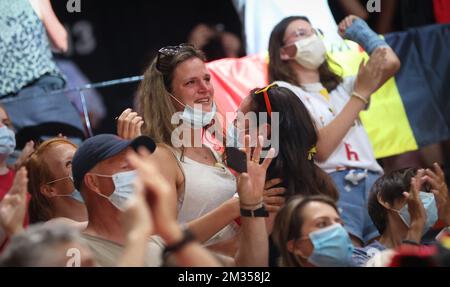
column 178, row 83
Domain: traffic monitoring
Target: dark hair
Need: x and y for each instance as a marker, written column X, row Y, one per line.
column 288, row 224
column 280, row 70
column 297, row 135
column 388, row 188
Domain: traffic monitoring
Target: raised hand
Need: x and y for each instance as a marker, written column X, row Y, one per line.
column 14, row 205
column 129, row 124
column 345, row 24
column 251, row 184
column 439, row 188
column 417, row 212
column 370, row 75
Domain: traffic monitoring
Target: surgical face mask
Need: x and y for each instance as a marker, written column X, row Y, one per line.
column 311, row 52
column 429, row 203
column 7, row 141
column 197, row 118
column 124, row 188
column 76, row 195
column 332, row 247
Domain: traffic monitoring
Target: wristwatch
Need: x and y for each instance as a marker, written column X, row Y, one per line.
column 260, row 212
column 188, row 237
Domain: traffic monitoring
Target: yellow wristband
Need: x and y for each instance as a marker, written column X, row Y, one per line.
column 356, row 95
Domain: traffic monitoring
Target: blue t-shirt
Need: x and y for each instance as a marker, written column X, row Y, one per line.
column 25, row 53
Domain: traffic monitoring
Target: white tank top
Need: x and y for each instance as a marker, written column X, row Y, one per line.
column 205, row 188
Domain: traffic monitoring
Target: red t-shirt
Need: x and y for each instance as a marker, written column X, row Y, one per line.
column 442, row 11
column 6, row 181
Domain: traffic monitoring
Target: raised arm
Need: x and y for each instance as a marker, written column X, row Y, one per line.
column 254, row 243
column 56, row 32
column 355, row 29
column 382, row 65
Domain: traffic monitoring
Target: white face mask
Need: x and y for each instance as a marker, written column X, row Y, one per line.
column 124, row 188
column 311, row 52
column 7, row 141
column 197, row 118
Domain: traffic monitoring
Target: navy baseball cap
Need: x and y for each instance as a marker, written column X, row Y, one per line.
column 101, row 147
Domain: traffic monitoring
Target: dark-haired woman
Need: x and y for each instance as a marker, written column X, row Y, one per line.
column 298, row 62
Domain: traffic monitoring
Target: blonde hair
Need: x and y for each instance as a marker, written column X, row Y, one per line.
column 155, row 103
column 40, row 208
column 288, row 225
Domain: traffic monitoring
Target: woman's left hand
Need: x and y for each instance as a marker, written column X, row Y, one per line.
column 345, row 24
column 129, row 125
column 251, row 183
column 440, row 190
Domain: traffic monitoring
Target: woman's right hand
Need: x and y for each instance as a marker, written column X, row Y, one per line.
column 370, row 74
column 251, row 183
column 129, row 125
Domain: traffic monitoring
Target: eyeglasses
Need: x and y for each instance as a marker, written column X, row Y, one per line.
column 59, row 179
column 165, row 55
column 301, row 32
column 266, row 97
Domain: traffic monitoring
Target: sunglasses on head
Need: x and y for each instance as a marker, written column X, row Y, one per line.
column 165, row 56
column 264, row 91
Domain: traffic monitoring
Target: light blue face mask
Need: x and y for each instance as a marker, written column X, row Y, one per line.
column 332, row 247
column 7, row 141
column 124, row 188
column 429, row 203
column 76, row 195
column 197, row 118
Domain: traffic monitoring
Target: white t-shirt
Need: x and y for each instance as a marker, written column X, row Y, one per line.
column 261, row 16
column 355, row 150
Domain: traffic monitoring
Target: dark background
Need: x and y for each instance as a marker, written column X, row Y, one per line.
column 115, row 39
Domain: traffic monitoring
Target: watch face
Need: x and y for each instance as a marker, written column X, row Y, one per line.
column 260, row 212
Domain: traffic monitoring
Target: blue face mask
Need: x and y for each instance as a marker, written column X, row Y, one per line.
column 429, row 203
column 197, row 118
column 76, row 195
column 124, row 188
column 7, row 141
column 332, row 247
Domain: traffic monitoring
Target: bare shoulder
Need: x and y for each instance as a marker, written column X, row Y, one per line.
column 164, row 152
column 166, row 158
